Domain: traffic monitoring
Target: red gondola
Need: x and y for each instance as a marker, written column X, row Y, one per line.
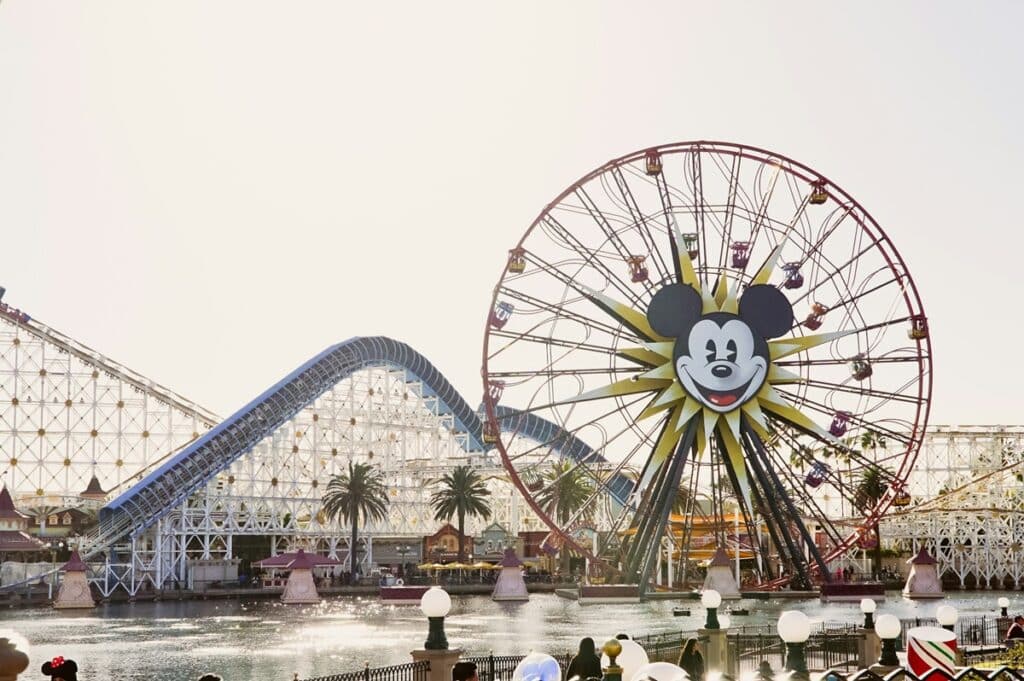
column 637, row 269
column 500, row 315
column 740, row 254
column 793, row 277
column 813, row 321
column 839, row 423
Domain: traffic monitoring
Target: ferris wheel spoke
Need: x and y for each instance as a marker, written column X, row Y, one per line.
column 566, row 434
column 834, row 272
column 537, row 339
column 590, row 257
column 560, row 311
column 755, row 447
column 859, row 390
column 796, row 484
column 825, row 410
column 640, row 220
column 610, row 233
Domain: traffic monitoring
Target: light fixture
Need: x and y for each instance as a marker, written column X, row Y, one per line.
column 888, row 629
column 794, row 629
column 1004, row 603
column 435, row 604
column 946, row 615
column 868, row 606
column 711, row 599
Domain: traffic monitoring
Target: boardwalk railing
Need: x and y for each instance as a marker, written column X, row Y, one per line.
column 413, row 671
column 500, row 667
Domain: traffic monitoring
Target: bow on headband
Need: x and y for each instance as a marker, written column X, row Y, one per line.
column 57, row 661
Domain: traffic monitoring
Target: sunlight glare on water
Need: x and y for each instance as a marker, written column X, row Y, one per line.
column 175, row 641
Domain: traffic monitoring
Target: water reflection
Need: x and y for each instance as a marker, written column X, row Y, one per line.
column 171, row 641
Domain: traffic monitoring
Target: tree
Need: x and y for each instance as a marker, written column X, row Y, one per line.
column 566, row 489
column 462, row 493
column 359, row 492
column 871, row 487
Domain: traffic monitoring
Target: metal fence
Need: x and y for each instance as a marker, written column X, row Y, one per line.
column 500, row 667
column 413, row 671
column 830, row 646
column 970, row 631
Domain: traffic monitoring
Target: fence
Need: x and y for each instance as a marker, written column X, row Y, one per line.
column 970, row 631
column 413, row 671
column 500, row 667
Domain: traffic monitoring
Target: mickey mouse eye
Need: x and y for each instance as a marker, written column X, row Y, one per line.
column 712, row 351
column 730, row 348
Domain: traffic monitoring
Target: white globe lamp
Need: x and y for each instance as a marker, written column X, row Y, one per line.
column 711, row 599
column 946, row 615
column 435, row 604
column 631, row 657
column 794, row 629
column 888, row 629
column 868, row 607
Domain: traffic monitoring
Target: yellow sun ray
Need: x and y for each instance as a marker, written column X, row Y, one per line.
column 791, row 346
column 642, row 356
column 624, row 314
column 734, row 451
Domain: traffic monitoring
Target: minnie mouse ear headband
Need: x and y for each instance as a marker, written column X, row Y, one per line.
column 59, row 668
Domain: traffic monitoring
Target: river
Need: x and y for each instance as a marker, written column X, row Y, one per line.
column 268, row 641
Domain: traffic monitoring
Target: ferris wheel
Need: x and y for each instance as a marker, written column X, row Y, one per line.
column 739, row 345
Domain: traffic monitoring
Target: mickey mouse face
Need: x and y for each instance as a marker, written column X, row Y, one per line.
column 721, row 359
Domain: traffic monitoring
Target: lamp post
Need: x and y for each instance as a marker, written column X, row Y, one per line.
column 711, row 599
column 946, row 615
column 794, row 629
column 888, row 628
column 435, row 604
column 1004, row 603
column 868, row 606
column 613, row 672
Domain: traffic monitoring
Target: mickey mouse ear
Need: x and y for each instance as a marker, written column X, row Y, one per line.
column 674, row 310
column 766, row 310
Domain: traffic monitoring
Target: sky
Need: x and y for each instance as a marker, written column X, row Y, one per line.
column 211, row 193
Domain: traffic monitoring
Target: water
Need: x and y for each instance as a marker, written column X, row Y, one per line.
column 266, row 640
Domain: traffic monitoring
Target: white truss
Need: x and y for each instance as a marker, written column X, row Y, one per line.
column 378, row 415
column 968, row 480
column 67, row 413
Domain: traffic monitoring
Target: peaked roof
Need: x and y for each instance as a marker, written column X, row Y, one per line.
column 7, row 509
column 94, row 488
column 923, row 558
column 19, row 541
column 720, row 559
column 510, row 559
column 75, row 564
column 296, row 561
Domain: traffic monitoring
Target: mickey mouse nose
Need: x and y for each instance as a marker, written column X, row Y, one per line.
column 721, row 371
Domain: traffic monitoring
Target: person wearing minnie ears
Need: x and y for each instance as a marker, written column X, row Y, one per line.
column 61, row 670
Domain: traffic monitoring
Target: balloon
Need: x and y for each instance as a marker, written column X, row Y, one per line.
column 660, row 671
column 630, row 659
column 537, row 667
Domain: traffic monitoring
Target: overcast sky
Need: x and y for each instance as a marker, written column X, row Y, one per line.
column 212, row 192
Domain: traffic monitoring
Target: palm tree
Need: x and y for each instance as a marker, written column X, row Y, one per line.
column 462, row 493
column 359, row 492
column 566, row 489
column 871, row 487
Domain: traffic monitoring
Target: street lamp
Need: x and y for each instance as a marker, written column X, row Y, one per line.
column 946, row 615
column 794, row 629
column 888, row 629
column 435, row 604
column 867, row 606
column 711, row 599
column 1004, row 603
